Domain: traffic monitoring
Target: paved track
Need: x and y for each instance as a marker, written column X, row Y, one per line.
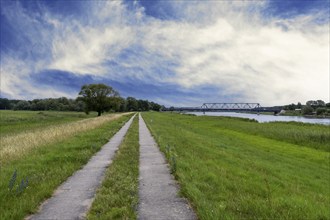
column 158, row 199
column 74, row 197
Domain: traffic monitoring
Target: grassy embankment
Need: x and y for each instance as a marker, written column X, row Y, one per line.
column 303, row 134
column 117, row 198
column 238, row 169
column 45, row 157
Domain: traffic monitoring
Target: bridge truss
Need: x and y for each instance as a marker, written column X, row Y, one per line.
column 230, row 106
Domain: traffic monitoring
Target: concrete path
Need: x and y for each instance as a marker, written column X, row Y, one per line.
column 74, row 197
column 158, row 197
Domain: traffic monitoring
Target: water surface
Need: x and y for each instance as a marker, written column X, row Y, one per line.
column 267, row 118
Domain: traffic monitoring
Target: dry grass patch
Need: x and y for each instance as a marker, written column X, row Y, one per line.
column 15, row 146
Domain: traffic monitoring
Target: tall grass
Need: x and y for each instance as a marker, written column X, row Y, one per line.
column 13, row 122
column 14, row 146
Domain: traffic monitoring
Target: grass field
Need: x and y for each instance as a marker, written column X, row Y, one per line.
column 237, row 169
column 14, row 146
column 117, row 198
column 28, row 179
column 303, row 134
column 13, row 122
column 228, row 168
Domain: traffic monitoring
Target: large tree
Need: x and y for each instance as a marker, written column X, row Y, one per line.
column 97, row 97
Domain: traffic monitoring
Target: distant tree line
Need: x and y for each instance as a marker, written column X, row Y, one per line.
column 119, row 104
column 50, row 104
column 112, row 103
column 312, row 107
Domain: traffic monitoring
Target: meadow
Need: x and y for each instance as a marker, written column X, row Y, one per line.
column 233, row 168
column 13, row 122
column 41, row 158
column 18, row 144
column 302, row 134
column 228, row 168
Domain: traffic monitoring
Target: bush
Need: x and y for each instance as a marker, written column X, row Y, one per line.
column 321, row 111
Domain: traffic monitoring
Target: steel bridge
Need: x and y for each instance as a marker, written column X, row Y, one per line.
column 230, row 107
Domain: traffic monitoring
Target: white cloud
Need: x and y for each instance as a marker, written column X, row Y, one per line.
column 259, row 60
column 222, row 44
column 84, row 51
column 86, row 45
column 15, row 81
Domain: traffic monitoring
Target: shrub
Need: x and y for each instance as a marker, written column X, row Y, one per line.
column 321, row 111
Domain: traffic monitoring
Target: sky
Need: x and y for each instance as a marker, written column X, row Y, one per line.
column 176, row 53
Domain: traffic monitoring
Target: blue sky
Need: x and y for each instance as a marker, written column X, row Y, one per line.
column 171, row 52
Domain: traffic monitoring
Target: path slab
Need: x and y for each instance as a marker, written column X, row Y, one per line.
column 74, row 197
column 158, row 191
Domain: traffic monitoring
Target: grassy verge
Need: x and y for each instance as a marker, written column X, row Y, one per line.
column 117, row 198
column 15, row 146
column 39, row 172
column 303, row 134
column 13, row 122
column 229, row 172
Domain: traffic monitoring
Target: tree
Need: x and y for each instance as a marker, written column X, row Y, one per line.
column 131, row 104
column 320, row 103
column 307, row 110
column 78, row 106
column 311, row 103
column 317, row 103
column 155, row 106
column 88, row 94
column 117, row 103
column 290, row 107
column 299, row 105
column 22, row 105
column 97, row 97
column 143, row 105
column 4, row 103
column 123, row 106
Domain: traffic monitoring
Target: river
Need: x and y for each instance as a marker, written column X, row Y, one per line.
column 267, row 118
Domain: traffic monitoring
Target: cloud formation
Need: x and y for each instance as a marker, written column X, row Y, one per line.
column 202, row 52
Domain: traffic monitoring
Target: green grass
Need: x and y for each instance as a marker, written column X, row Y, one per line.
column 303, row 134
column 12, row 122
column 117, row 198
column 237, row 169
column 47, row 167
